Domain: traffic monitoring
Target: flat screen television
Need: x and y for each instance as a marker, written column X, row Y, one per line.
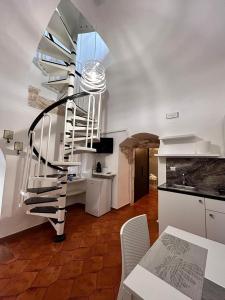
column 104, row 146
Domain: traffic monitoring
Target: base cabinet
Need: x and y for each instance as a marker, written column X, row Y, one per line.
column 98, row 196
column 215, row 226
column 201, row 216
column 182, row 211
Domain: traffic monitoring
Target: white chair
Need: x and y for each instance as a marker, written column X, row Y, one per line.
column 135, row 242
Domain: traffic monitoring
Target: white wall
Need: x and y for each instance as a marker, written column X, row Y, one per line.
column 172, row 58
column 116, row 163
column 21, row 26
column 168, row 56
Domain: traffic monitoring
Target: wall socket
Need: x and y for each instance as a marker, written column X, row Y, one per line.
column 173, row 169
column 172, row 115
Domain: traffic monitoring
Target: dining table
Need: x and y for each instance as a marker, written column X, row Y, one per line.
column 179, row 266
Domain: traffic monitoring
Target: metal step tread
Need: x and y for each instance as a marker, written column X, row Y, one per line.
column 80, row 149
column 76, row 139
column 53, row 63
column 65, row 163
column 37, row 200
column 78, row 118
column 79, row 111
column 58, row 81
column 80, row 128
column 40, row 190
column 44, row 210
column 54, row 175
column 52, row 68
column 49, row 47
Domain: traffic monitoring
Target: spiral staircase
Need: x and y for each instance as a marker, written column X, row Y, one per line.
column 43, row 192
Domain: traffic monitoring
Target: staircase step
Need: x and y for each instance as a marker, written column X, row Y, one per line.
column 44, row 210
column 74, row 19
column 38, row 200
column 56, row 85
column 57, row 175
column 79, row 139
column 51, row 177
column 41, row 190
column 78, row 118
column 65, row 163
column 82, row 128
column 79, row 111
column 78, row 126
column 50, row 48
column 80, row 149
column 52, row 68
column 59, row 30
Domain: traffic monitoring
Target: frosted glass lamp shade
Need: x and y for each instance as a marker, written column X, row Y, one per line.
column 93, row 77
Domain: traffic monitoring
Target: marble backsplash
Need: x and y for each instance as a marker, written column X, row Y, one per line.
column 204, row 173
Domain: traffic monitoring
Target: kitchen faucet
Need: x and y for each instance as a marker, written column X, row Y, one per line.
column 183, row 179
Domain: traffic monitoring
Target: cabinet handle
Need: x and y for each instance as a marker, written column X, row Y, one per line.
column 212, row 216
column 200, row 201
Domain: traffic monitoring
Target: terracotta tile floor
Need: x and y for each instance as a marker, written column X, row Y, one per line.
column 86, row 266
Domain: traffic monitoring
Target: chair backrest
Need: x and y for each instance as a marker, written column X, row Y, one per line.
column 135, row 242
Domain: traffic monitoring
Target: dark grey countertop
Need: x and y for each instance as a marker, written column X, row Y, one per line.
column 212, row 194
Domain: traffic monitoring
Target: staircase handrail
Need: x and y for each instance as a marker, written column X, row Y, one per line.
column 40, row 116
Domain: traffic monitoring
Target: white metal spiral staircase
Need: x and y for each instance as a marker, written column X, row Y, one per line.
column 44, row 193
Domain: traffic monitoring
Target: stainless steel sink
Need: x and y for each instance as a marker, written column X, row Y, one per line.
column 184, row 187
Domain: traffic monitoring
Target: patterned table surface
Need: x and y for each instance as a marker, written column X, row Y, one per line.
column 180, row 265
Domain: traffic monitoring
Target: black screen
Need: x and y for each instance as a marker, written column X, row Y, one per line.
column 104, row 146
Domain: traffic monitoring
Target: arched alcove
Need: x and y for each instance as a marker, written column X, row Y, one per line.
column 128, row 146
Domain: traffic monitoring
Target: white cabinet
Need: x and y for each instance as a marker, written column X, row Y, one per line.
column 215, row 225
column 215, row 205
column 215, row 220
column 98, row 196
column 182, row 211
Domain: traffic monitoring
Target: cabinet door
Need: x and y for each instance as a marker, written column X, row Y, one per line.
column 93, row 195
column 182, row 211
column 106, row 199
column 215, row 224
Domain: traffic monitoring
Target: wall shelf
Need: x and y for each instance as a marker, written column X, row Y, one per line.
column 76, row 180
column 187, row 155
column 176, row 137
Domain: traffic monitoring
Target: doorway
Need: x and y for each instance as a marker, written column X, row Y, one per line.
column 153, row 169
column 146, row 171
column 141, row 177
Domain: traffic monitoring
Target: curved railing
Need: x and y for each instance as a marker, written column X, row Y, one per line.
column 40, row 116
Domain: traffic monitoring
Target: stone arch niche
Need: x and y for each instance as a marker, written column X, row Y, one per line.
column 128, row 146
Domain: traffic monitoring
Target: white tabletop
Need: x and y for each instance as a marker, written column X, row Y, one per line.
column 144, row 284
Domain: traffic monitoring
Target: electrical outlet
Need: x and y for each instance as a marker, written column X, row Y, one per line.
column 173, row 169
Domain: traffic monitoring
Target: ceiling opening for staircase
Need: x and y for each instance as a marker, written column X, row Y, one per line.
column 91, row 46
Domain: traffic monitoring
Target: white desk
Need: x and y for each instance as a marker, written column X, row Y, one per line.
column 147, row 286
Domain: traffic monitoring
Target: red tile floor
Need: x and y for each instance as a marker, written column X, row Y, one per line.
column 86, row 266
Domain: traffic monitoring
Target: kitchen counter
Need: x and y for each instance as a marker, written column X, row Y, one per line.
column 107, row 175
column 212, row 194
